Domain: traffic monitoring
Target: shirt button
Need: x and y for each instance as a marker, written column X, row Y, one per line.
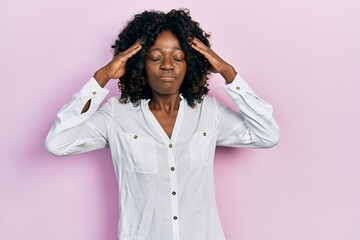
column 170, row 145
column 173, row 193
column 172, row 169
column 94, row 92
column 204, row 134
column 175, row 217
column 135, row 136
column 237, row 88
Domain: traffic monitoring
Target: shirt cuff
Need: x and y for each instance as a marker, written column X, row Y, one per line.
column 92, row 89
column 238, row 87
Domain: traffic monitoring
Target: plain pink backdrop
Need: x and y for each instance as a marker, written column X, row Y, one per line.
column 301, row 56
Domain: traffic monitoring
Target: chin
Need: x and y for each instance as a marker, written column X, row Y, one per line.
column 166, row 92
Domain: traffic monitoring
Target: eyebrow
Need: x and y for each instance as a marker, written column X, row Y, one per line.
column 159, row 49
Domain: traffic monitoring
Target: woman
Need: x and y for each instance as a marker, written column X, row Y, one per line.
column 163, row 130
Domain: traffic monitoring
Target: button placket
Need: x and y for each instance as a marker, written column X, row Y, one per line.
column 173, row 191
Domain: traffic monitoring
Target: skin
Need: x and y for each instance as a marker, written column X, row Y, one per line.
column 165, row 67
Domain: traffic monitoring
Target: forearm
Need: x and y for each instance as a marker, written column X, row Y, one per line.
column 68, row 128
column 101, row 76
column 102, row 79
column 228, row 73
column 260, row 126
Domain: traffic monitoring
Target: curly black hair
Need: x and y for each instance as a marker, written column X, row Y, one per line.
column 147, row 26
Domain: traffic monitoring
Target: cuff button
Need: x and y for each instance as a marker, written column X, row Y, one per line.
column 237, row 88
column 94, row 92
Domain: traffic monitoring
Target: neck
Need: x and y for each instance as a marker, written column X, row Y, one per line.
column 167, row 104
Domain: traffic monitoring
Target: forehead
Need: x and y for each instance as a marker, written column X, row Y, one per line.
column 166, row 40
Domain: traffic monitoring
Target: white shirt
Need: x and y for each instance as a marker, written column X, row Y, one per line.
column 166, row 186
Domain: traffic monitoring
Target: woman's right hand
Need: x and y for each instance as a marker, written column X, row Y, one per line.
column 116, row 67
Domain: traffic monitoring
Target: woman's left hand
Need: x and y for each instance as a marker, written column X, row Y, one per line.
column 218, row 65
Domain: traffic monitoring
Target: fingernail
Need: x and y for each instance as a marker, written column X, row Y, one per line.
column 190, row 40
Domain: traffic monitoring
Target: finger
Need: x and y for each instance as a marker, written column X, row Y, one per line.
column 131, row 51
column 199, row 44
column 214, row 60
column 200, row 49
column 134, row 46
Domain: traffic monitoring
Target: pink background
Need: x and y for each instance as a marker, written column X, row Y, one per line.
column 301, row 56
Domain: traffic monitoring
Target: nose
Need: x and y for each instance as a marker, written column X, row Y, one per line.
column 167, row 64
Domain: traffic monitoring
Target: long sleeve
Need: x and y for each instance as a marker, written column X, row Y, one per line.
column 73, row 132
column 254, row 126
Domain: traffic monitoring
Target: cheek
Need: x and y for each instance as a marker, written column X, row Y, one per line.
column 184, row 69
column 149, row 69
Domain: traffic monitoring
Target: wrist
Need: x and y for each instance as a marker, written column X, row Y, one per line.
column 228, row 73
column 101, row 77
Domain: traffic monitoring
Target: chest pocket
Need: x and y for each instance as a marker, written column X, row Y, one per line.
column 200, row 146
column 143, row 154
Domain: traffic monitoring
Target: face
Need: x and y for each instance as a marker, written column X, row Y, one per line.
column 165, row 65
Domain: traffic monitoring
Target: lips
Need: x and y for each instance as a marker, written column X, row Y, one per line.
column 167, row 78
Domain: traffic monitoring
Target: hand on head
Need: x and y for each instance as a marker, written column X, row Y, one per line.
column 217, row 64
column 116, row 67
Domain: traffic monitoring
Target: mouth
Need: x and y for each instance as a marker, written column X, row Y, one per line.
column 167, row 78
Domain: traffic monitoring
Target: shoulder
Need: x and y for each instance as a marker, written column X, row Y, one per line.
column 211, row 103
column 209, row 99
column 113, row 104
column 121, row 107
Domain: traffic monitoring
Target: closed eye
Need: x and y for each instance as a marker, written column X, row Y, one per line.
column 178, row 59
column 155, row 59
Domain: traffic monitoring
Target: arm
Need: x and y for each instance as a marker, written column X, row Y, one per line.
column 114, row 69
column 75, row 132
column 80, row 126
column 255, row 125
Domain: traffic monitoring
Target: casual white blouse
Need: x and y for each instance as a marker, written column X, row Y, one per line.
column 166, row 186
